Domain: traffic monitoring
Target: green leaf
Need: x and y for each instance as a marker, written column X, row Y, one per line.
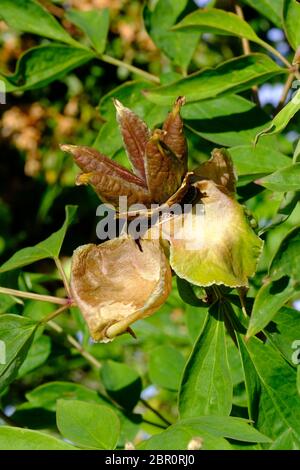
column 271, row 9
column 46, row 395
column 166, row 367
column 49, row 248
column 37, row 355
column 12, row 438
column 259, row 160
column 282, row 119
column 122, row 383
column 227, row 426
column 284, row 333
column 178, row 437
column 232, row 76
column 43, row 64
column 278, row 380
column 252, row 383
column 286, row 261
column 187, row 293
column 286, row 179
column 229, row 120
column 216, row 21
column 286, row 441
column 268, row 301
column 206, row 387
column 94, row 23
column 88, row 425
column 30, row 16
column 17, row 335
column 291, row 19
column 178, row 47
column 211, row 429
column 196, row 318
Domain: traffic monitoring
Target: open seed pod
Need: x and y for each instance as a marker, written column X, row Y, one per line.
column 115, row 284
column 214, row 244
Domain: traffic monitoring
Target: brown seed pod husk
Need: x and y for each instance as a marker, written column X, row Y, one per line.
column 115, row 284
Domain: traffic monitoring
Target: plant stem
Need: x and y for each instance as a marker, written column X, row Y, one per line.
column 161, row 426
column 7, row 419
column 89, row 357
column 247, row 51
column 55, row 314
column 118, row 63
column 285, row 92
column 157, row 413
column 63, row 276
column 276, row 53
column 31, row 295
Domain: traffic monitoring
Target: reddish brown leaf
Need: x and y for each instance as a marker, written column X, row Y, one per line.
column 174, row 136
column 163, row 169
column 135, row 135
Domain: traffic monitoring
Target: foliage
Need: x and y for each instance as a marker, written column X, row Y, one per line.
column 218, row 363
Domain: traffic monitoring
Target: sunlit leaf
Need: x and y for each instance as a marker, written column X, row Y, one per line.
column 95, row 23
column 282, row 119
column 233, row 76
column 206, row 387
column 88, row 425
column 31, row 17
column 268, row 301
column 291, row 18
column 13, row 438
column 43, row 64
column 286, row 179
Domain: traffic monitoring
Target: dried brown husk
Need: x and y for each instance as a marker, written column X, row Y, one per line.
column 115, row 283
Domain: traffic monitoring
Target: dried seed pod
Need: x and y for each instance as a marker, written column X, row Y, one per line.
column 215, row 243
column 219, row 168
column 164, row 171
column 135, row 135
column 115, row 284
column 174, row 136
column 109, row 179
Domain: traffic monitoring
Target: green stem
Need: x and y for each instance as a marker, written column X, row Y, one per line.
column 276, row 53
column 154, row 411
column 63, row 276
column 55, row 314
column 31, row 295
column 285, row 92
column 89, row 357
column 7, row 419
column 118, row 63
